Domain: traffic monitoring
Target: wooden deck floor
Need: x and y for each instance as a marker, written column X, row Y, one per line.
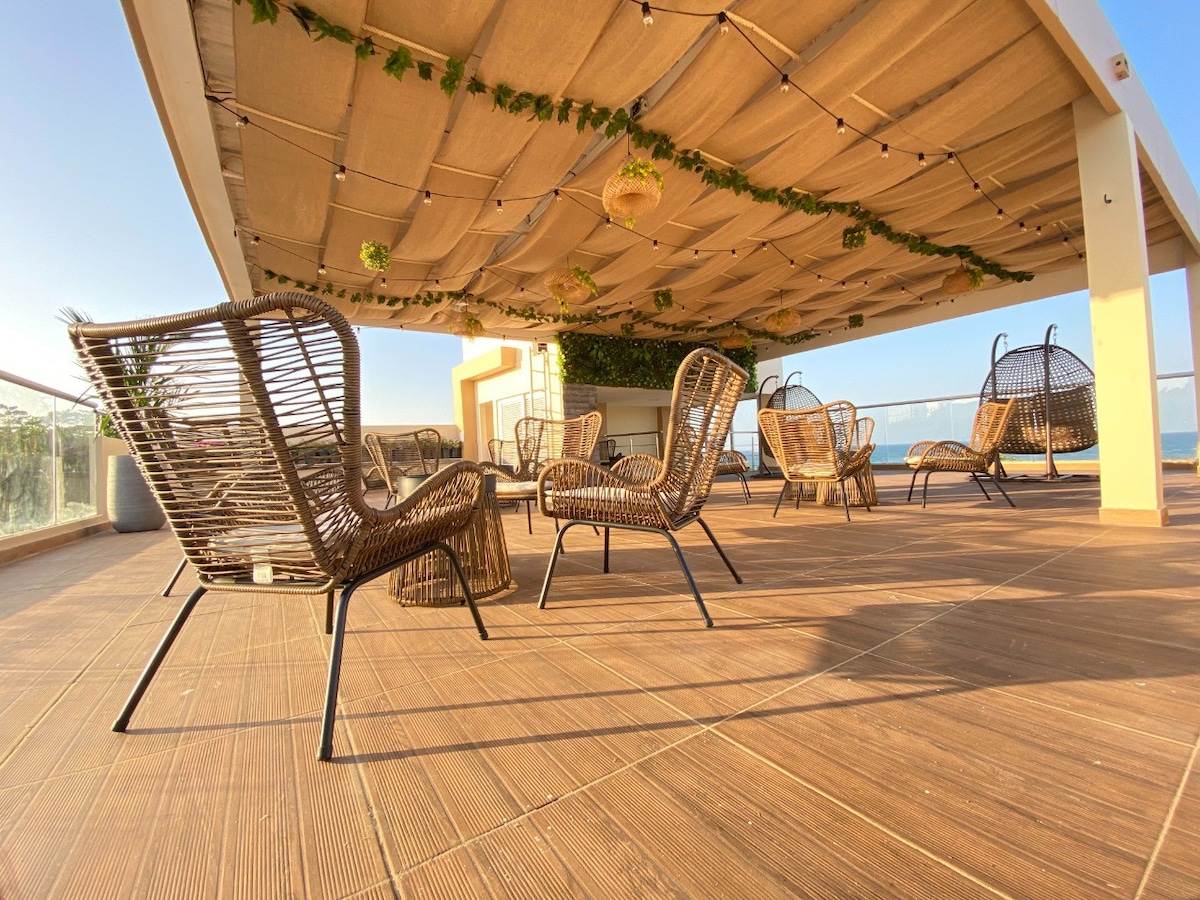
column 962, row 701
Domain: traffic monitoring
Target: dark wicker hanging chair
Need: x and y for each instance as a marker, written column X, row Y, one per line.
column 1055, row 394
column 787, row 396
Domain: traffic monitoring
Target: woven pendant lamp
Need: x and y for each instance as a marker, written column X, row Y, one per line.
column 735, row 340
column 633, row 191
column 962, row 280
column 565, row 286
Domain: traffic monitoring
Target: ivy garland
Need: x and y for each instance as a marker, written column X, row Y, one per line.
column 529, row 314
column 621, row 362
column 543, row 108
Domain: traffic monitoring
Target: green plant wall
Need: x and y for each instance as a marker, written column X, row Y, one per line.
column 626, row 362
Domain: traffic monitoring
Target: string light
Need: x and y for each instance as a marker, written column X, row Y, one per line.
column 695, row 254
column 841, row 125
column 655, row 245
column 784, row 84
column 921, row 160
column 724, row 22
column 321, row 269
column 999, row 213
column 428, row 199
column 254, row 241
column 340, row 174
column 950, row 158
column 383, row 282
column 557, row 196
column 791, row 264
column 977, row 188
column 608, row 221
column 1023, row 228
column 883, row 151
column 1038, row 230
column 499, row 206
column 734, row 252
column 242, row 122
column 647, row 16
column 820, row 278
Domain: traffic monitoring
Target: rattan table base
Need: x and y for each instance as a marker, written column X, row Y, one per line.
column 430, row 581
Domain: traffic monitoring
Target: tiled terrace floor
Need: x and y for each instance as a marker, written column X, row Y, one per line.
column 962, row 701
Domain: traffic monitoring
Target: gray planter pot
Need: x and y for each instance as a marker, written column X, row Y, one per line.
column 131, row 505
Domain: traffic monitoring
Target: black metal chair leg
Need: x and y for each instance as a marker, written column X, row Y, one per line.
column 745, row 485
column 980, row 483
column 724, row 558
column 462, row 580
column 782, row 490
column 160, row 653
column 912, row 484
column 925, row 488
column 329, row 613
column 606, row 530
column 1003, row 492
column 845, row 500
column 166, row 591
column 335, row 671
column 529, row 515
column 691, row 581
column 553, row 559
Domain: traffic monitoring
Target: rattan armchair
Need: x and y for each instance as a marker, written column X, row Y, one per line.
column 733, row 462
column 538, row 441
column 813, row 446
column 643, row 493
column 975, row 459
column 407, row 453
column 249, row 510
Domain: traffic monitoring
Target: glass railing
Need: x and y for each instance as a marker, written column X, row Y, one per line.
column 48, row 457
column 899, row 425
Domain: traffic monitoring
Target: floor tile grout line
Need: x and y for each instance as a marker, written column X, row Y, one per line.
column 1168, row 819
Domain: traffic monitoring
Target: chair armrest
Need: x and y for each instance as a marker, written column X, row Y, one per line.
column 565, row 476
column 638, row 467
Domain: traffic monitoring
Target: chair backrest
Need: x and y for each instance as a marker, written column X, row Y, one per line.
column 864, row 430
column 707, row 389
column 991, row 421
column 813, row 443
column 407, row 453
column 539, row 440
column 224, row 409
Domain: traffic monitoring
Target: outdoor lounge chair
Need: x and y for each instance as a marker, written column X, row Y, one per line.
column 249, row 512
column 814, row 446
column 407, row 453
column 732, row 462
column 539, row 441
column 643, row 493
column 976, row 458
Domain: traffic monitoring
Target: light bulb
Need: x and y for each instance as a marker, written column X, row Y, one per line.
column 608, row 221
column 695, row 254
column 724, row 21
column 784, row 84
column 976, row 187
column 340, row 174
column 321, row 269
column 1023, row 228
column 841, row 125
column 1038, row 230
column 999, row 213
column 921, row 160
column 734, row 252
column 383, row 282
column 950, row 158
column 883, row 151
column 791, row 264
column 820, row 278
column 655, row 245
column 499, row 206
column 557, row 195
column 428, row 199
column 254, row 241
column 647, row 16
column 242, row 121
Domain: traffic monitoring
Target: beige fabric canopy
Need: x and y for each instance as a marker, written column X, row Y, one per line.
column 973, row 99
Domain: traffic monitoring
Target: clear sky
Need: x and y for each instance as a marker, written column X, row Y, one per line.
column 93, row 216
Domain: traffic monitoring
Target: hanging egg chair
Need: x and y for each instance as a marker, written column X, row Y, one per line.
column 787, row 396
column 1055, row 393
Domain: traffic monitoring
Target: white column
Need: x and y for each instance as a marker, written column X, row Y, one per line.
column 1192, row 270
column 1131, row 486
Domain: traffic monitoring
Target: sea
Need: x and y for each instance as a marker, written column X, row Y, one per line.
column 1177, row 446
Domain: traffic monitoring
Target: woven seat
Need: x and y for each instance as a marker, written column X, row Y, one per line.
column 644, row 493
column 975, row 459
column 249, row 511
column 539, row 441
column 407, row 453
column 816, row 446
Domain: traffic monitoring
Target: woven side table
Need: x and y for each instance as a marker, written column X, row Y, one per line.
column 430, row 581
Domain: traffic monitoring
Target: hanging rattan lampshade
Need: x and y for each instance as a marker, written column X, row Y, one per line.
column 565, row 286
column 957, row 282
column 782, row 320
column 734, row 341
column 626, row 197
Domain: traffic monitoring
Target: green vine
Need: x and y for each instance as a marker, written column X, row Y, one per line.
column 585, row 278
column 854, row 237
column 640, row 169
column 542, row 107
column 855, row 321
column 621, row 362
column 664, row 299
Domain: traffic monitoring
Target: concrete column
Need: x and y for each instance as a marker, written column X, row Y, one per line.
column 1192, row 269
column 1131, row 486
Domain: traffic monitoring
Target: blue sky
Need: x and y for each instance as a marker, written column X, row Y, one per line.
column 93, row 216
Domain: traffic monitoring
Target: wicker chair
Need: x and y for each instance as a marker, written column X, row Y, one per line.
column 733, row 462
column 539, row 441
column 407, row 453
column 250, row 513
column 976, row 458
column 643, row 493
column 813, row 446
